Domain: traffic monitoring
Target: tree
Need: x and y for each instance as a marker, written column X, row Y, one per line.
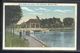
column 51, row 23
column 56, row 22
column 12, row 16
column 68, row 22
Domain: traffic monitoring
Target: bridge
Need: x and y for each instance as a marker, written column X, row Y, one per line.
column 33, row 29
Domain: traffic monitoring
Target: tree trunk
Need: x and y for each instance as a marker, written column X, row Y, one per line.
column 12, row 30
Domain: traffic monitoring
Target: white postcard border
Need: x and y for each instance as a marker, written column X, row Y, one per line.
column 40, row 48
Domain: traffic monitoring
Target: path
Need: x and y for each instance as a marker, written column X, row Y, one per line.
column 33, row 42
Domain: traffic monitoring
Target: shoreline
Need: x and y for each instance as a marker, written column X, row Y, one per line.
column 44, row 45
column 46, row 29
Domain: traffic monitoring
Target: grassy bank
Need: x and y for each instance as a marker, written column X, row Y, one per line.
column 15, row 41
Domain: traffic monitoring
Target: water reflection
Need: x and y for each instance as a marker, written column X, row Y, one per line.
column 56, row 39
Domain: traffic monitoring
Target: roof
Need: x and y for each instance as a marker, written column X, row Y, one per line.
column 32, row 21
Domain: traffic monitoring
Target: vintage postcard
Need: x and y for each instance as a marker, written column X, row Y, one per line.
column 39, row 26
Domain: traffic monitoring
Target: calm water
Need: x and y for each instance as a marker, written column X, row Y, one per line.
column 56, row 39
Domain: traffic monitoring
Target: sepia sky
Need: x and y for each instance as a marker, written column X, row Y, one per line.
column 46, row 12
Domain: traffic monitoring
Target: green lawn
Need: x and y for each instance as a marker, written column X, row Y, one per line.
column 15, row 41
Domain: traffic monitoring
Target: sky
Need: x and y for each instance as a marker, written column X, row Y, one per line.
column 30, row 12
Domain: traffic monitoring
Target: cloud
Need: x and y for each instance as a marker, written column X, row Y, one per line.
column 67, row 10
column 59, row 11
column 35, row 13
column 43, row 9
column 62, row 11
column 27, row 9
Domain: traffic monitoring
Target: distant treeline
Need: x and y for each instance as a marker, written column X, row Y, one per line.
column 51, row 23
column 56, row 22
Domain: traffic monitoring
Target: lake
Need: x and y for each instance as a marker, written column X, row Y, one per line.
column 56, row 39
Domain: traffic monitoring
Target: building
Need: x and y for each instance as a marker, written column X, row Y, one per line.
column 33, row 23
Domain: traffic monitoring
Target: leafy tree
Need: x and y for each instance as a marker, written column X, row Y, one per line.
column 58, row 22
column 12, row 14
column 68, row 22
column 55, row 22
column 43, row 22
column 51, row 23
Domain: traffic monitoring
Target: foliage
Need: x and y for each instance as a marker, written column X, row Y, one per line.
column 12, row 14
column 68, row 22
column 56, row 22
column 51, row 22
